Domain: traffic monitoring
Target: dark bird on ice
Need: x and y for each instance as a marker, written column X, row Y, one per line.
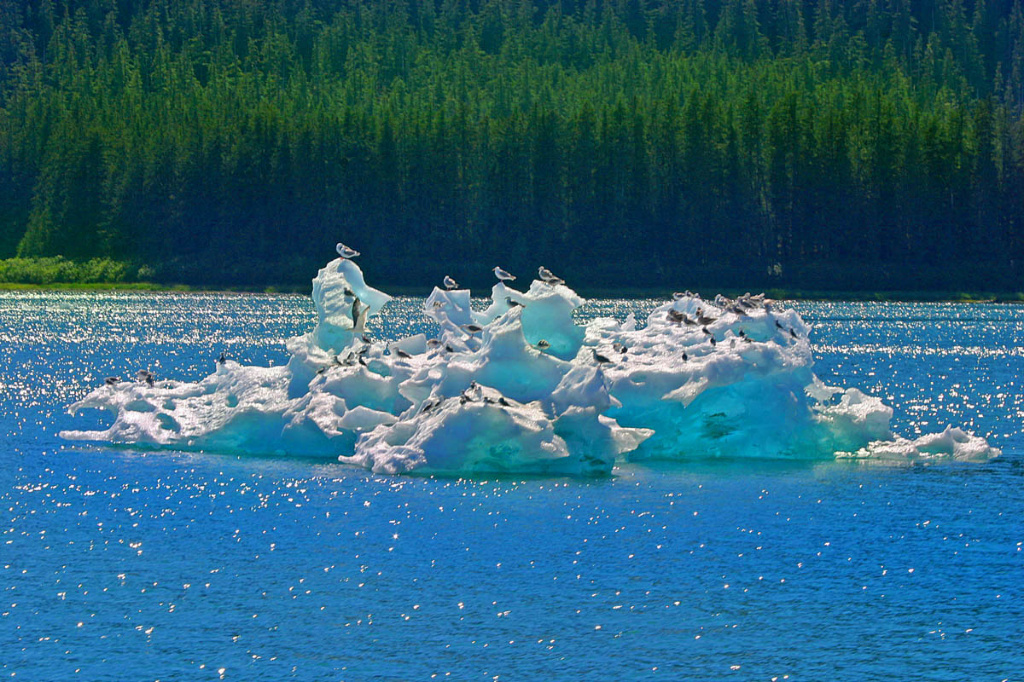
column 549, row 277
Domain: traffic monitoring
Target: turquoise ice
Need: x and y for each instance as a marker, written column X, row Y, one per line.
column 519, row 387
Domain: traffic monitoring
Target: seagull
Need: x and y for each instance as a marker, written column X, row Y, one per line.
column 511, row 303
column 449, row 283
column 144, row 375
column 112, row 381
column 502, row 275
column 433, row 343
column 357, row 310
column 792, row 333
column 675, row 317
column 680, row 295
column 685, row 356
column 549, row 277
column 600, row 359
column 619, row 347
column 346, row 252
column 703, row 319
column 543, row 344
column 472, row 329
column 222, row 359
column 713, row 342
column 402, row 354
column 777, row 325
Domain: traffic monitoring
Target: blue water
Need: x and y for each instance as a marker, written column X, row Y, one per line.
column 125, row 565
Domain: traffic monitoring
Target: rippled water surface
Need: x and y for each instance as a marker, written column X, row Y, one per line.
column 125, row 565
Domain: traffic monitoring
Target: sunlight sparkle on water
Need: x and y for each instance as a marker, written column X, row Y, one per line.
column 177, row 565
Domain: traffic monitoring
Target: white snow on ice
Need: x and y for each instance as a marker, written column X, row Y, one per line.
column 525, row 393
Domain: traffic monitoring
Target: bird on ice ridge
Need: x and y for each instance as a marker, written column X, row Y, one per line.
column 502, row 275
column 346, row 252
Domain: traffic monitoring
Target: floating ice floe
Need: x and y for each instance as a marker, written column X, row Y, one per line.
column 520, row 388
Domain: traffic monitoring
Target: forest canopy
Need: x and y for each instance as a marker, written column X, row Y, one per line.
column 816, row 143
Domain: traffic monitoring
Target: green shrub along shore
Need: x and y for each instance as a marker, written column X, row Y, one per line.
column 794, row 144
column 58, row 273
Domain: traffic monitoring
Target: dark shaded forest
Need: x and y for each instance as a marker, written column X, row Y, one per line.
column 836, row 145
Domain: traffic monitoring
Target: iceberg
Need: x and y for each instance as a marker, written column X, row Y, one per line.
column 520, row 388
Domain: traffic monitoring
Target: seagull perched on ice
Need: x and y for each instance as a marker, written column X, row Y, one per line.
column 600, row 359
column 222, row 359
column 502, row 275
column 549, row 277
column 450, row 283
column 543, row 344
column 472, row 329
column 144, row 375
column 346, row 252
column 704, row 319
column 112, row 381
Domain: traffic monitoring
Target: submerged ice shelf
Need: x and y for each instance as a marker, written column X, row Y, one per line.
column 519, row 387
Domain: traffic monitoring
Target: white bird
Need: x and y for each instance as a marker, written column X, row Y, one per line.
column 345, row 251
column 449, row 283
column 502, row 275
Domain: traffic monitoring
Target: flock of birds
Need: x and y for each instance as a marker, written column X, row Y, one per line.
column 741, row 307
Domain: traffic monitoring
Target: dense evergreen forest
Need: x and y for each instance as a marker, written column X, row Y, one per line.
column 858, row 144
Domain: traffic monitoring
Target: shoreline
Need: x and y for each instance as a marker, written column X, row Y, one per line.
column 795, row 294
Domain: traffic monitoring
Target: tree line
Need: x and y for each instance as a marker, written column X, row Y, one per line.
column 801, row 143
